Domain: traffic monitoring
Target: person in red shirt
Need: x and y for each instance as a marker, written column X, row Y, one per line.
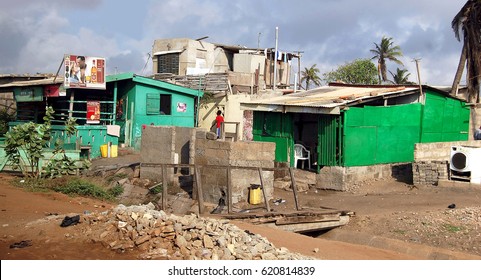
column 219, row 120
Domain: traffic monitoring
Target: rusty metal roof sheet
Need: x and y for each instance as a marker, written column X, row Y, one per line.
column 48, row 81
column 330, row 96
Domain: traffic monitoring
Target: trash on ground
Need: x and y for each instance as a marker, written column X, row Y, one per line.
column 70, row 221
column 279, row 201
column 21, row 244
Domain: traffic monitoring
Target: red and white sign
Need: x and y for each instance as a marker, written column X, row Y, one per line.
column 93, row 112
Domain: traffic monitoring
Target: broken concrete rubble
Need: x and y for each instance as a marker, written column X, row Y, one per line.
column 158, row 235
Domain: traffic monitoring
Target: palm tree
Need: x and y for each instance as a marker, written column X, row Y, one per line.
column 386, row 51
column 401, row 78
column 468, row 20
column 311, row 75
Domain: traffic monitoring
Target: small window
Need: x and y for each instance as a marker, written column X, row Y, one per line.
column 166, row 104
column 159, row 104
column 168, row 63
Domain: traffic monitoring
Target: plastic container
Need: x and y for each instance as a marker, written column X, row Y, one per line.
column 106, row 152
column 255, row 194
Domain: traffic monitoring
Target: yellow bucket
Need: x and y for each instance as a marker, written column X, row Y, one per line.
column 255, row 194
column 104, row 150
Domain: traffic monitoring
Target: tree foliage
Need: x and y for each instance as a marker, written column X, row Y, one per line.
column 31, row 139
column 5, row 117
column 401, row 77
column 309, row 75
column 386, row 51
column 359, row 71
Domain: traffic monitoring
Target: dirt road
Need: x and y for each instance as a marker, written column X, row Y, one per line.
column 384, row 209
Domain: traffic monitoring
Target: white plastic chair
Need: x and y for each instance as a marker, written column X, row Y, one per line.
column 301, row 154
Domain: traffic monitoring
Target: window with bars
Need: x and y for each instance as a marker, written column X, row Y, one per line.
column 168, row 63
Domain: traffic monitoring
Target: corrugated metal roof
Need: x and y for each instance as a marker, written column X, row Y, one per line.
column 41, row 82
column 329, row 96
column 27, row 75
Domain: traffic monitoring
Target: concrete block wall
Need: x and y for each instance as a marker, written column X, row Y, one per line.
column 166, row 144
column 157, row 146
column 431, row 161
column 439, row 151
column 427, row 173
column 475, row 121
column 234, row 154
column 342, row 178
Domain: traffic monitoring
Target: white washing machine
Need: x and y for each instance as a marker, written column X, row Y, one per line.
column 466, row 162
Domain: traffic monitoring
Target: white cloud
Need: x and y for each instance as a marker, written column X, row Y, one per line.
column 330, row 33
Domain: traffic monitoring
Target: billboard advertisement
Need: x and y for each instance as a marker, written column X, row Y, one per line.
column 84, row 72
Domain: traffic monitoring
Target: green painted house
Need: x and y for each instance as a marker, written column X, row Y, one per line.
column 143, row 101
column 354, row 125
column 112, row 115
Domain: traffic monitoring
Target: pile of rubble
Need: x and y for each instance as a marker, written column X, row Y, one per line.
column 158, row 235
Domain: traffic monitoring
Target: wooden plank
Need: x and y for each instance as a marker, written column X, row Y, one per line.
column 268, row 208
column 200, row 193
column 229, row 191
column 307, row 219
column 164, row 187
column 294, row 188
column 307, row 227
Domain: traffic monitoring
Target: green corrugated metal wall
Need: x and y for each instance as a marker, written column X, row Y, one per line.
column 330, row 140
column 374, row 135
column 444, row 119
column 277, row 128
column 371, row 134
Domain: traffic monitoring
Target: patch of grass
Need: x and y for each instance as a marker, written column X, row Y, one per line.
column 83, row 188
column 400, row 231
column 115, row 191
column 31, row 184
column 452, row 228
column 116, row 177
column 156, row 189
column 70, row 185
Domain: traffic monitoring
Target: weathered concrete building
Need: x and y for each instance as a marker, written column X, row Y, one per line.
column 220, row 162
column 227, row 74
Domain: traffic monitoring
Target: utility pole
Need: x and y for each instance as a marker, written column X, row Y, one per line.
column 299, row 69
column 421, row 95
column 258, row 40
column 275, row 60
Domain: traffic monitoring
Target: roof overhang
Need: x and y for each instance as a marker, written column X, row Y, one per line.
column 167, row 52
column 290, row 109
column 40, row 82
column 153, row 82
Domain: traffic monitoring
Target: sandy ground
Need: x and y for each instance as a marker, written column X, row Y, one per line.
column 35, row 217
column 23, row 214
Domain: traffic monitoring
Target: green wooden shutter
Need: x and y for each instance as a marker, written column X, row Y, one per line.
column 153, row 104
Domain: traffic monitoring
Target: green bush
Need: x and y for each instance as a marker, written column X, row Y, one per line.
column 33, row 138
column 156, row 189
column 77, row 186
column 5, row 117
column 115, row 191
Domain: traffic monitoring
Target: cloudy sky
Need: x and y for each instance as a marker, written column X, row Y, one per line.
column 36, row 34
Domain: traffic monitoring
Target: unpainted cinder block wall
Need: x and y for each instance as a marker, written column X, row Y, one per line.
column 165, row 144
column 431, row 161
column 214, row 156
column 342, row 178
